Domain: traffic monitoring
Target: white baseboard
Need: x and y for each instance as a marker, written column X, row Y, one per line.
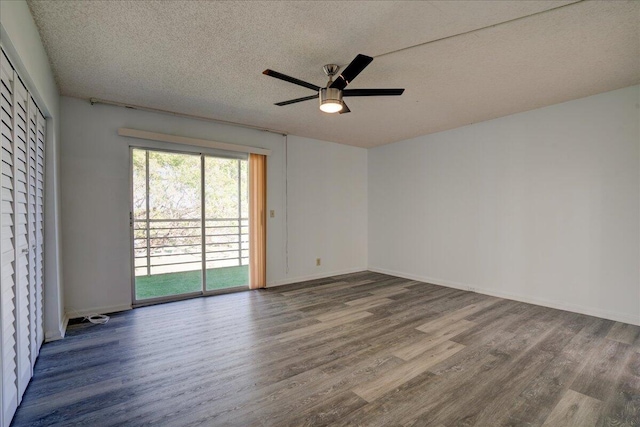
column 73, row 313
column 59, row 334
column 590, row 311
column 289, row 281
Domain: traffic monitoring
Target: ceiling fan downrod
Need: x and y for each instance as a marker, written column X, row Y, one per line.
column 331, row 70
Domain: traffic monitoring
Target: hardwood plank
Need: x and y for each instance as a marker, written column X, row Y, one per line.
column 293, row 397
column 326, row 413
column 300, row 285
column 400, row 375
column 309, row 330
column 531, row 367
column 390, row 291
column 623, row 406
column 433, row 339
column 501, row 321
column 366, row 300
column 624, row 333
column 328, row 285
column 574, row 410
column 518, row 361
column 352, row 309
column 410, row 398
column 273, row 398
column 534, row 404
column 598, row 377
column 412, row 300
column 454, row 316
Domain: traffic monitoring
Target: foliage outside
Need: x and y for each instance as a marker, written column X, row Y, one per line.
column 174, row 207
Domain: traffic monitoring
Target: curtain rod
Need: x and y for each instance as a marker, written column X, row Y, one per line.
column 94, row 101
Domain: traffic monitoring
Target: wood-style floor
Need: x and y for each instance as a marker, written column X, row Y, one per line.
column 362, row 349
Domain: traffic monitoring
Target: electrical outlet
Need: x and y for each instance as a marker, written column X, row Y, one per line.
column 318, row 261
column 272, row 213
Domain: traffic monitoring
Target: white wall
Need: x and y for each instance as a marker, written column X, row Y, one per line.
column 542, row 206
column 327, row 208
column 95, row 201
column 20, row 38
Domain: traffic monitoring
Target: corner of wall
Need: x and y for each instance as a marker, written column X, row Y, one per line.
column 58, row 333
column 298, row 279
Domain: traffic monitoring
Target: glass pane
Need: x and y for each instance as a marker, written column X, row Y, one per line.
column 168, row 245
column 227, row 239
column 138, row 160
column 140, row 250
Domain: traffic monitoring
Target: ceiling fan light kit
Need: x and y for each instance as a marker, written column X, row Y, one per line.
column 330, row 100
column 330, row 97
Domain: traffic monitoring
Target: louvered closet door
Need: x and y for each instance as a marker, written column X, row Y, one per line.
column 20, row 230
column 32, row 151
column 39, row 249
column 22, row 238
column 7, row 247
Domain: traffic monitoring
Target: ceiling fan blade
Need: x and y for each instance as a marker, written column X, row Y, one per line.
column 351, row 72
column 372, row 92
column 289, row 79
column 345, row 109
column 293, row 101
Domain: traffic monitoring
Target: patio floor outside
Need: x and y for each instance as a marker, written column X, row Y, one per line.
column 166, row 284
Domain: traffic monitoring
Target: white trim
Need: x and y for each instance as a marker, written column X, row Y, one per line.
column 315, row 276
column 175, row 139
column 60, row 333
column 589, row 311
column 188, row 116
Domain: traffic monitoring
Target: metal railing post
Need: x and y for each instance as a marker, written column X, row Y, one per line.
column 239, row 214
column 203, row 225
column 148, row 229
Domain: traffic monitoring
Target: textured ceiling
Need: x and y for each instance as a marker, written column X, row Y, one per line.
column 207, row 58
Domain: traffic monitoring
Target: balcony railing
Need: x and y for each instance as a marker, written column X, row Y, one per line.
column 171, row 245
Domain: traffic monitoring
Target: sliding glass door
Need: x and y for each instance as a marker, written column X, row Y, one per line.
column 189, row 224
column 226, row 213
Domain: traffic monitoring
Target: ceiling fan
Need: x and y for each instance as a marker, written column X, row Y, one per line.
column 331, row 95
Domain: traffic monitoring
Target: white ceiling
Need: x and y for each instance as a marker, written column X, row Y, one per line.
column 206, row 58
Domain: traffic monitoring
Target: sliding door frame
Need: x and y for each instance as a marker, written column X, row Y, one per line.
column 203, row 291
